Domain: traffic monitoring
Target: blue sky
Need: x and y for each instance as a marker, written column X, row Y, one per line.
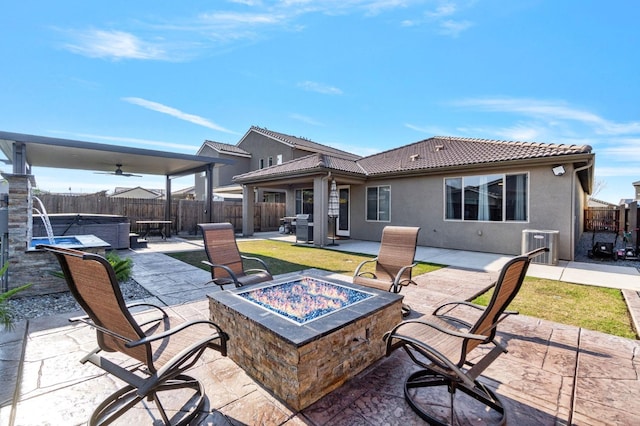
column 360, row 75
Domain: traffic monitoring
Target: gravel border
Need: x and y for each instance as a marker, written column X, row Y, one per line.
column 60, row 303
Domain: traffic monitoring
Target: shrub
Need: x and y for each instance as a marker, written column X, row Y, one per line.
column 6, row 319
column 122, row 267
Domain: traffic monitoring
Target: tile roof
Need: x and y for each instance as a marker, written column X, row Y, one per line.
column 304, row 144
column 226, row 148
column 429, row 154
column 313, row 163
column 441, row 152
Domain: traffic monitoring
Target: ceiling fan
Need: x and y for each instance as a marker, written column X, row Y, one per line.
column 119, row 172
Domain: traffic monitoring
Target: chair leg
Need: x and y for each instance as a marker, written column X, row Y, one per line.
column 189, row 406
column 432, row 409
column 406, row 310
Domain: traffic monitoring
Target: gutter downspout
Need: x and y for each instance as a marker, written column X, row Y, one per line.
column 573, row 206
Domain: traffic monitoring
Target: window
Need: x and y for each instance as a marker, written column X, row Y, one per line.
column 279, row 159
column 379, row 203
column 270, row 161
column 304, row 201
column 487, row 198
column 262, row 163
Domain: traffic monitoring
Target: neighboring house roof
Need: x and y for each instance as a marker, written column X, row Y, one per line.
column 430, row 154
column 187, row 190
column 594, row 202
column 224, row 148
column 303, row 143
column 137, row 192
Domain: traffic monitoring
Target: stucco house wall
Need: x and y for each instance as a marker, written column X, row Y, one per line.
column 262, row 147
column 224, row 175
column 416, row 173
column 419, row 201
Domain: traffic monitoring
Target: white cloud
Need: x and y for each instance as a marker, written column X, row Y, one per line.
column 195, row 119
column 114, row 45
column 443, row 10
column 550, row 112
column 442, row 17
column 313, row 86
column 429, row 130
column 624, row 151
column 454, row 28
column 305, row 119
column 617, row 172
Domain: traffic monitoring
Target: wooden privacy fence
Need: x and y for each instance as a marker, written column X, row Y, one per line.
column 601, row 219
column 185, row 214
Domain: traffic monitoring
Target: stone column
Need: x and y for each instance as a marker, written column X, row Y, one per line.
column 320, row 210
column 248, row 209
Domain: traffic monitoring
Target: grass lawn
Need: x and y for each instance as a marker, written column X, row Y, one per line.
column 595, row 308
column 298, row 258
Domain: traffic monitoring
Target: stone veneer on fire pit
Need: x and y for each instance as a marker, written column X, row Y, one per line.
column 300, row 363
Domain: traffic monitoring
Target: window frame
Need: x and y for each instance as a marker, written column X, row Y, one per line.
column 504, row 195
column 378, row 199
column 300, row 202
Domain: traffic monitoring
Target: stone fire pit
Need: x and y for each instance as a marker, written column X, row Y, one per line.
column 301, row 349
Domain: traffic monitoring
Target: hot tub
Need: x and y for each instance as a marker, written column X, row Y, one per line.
column 70, row 241
column 112, row 229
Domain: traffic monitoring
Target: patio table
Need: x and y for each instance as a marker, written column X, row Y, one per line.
column 154, row 226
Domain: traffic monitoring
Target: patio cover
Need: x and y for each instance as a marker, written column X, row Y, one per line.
column 25, row 151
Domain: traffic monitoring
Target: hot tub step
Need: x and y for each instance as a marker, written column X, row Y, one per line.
column 136, row 242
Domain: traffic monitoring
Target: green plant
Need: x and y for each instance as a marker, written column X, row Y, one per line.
column 6, row 319
column 122, row 267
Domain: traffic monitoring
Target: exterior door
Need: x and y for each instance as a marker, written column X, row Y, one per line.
column 343, row 220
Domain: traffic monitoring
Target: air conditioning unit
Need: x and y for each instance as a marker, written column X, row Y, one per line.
column 533, row 239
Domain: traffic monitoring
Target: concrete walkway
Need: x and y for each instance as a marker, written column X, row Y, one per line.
column 552, row 374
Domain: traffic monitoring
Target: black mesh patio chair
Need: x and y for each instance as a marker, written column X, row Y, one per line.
column 163, row 346
column 441, row 343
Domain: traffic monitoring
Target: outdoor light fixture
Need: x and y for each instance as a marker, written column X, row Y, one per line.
column 558, row 170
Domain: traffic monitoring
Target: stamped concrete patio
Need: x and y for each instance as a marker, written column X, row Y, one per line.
column 552, row 374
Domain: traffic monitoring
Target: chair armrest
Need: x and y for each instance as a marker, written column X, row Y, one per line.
column 398, row 282
column 154, row 337
column 441, row 329
column 252, row 271
column 257, row 260
column 232, row 276
column 364, row 262
column 454, row 305
column 151, row 305
column 429, row 352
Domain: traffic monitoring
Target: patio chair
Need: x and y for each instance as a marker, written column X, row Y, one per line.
column 394, row 263
column 441, row 343
column 225, row 260
column 163, row 347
